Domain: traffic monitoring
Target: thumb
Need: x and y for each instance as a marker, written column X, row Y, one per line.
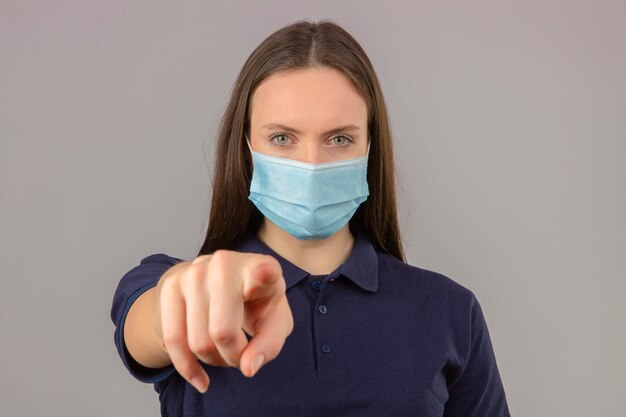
column 270, row 334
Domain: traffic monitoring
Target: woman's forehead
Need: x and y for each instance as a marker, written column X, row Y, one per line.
column 319, row 97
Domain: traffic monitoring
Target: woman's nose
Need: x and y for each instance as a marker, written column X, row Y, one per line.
column 311, row 154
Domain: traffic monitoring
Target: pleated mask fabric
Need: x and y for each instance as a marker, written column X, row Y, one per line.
column 309, row 201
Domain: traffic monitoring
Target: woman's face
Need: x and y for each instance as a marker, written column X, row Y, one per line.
column 311, row 115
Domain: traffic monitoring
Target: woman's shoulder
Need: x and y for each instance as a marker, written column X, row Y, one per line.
column 160, row 258
column 410, row 276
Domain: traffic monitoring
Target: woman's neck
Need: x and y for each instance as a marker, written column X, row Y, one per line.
column 317, row 257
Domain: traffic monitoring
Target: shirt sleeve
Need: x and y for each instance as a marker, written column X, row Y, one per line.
column 134, row 283
column 478, row 390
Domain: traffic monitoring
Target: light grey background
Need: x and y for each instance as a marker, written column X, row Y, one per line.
column 510, row 135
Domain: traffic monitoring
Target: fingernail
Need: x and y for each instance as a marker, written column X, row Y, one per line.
column 256, row 363
column 198, row 383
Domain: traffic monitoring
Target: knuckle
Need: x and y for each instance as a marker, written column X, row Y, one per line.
column 170, row 283
column 221, row 333
column 194, row 280
column 200, row 259
column 222, row 259
column 196, row 276
column 219, row 255
column 201, row 346
column 171, row 339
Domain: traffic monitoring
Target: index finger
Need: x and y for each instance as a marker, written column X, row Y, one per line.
column 262, row 278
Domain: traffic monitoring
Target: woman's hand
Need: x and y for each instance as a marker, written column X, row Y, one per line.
column 202, row 305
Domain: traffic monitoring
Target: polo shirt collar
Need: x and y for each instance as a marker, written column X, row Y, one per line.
column 361, row 267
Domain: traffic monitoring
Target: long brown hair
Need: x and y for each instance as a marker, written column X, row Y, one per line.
column 302, row 44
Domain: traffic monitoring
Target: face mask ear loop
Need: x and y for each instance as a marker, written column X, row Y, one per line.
column 369, row 142
column 248, row 142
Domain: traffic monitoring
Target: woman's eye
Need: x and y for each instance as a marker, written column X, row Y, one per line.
column 280, row 139
column 342, row 140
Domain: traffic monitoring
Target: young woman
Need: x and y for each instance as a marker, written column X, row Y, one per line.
column 300, row 302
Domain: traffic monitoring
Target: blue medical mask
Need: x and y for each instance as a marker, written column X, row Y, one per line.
column 308, row 201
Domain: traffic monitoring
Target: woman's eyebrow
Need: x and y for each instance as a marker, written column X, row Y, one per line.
column 292, row 130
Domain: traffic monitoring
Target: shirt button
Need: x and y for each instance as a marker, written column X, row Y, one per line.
column 325, row 348
column 323, row 309
column 316, row 285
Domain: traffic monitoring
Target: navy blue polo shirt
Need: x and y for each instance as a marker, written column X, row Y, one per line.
column 376, row 337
